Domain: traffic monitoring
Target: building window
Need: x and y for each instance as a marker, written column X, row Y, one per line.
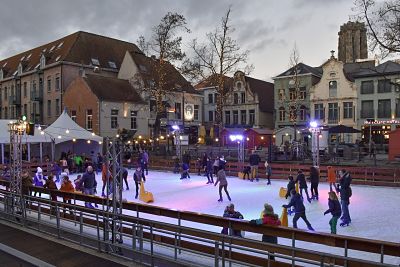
column 57, row 82
column 48, row 108
column 367, row 109
column 57, row 107
column 367, row 87
column 235, row 117
column 252, row 117
column 228, row 117
column 26, row 110
column 114, row 118
column 178, row 111
column 133, row 120
column 49, row 84
column 281, row 94
column 302, row 113
column 73, row 115
column 292, row 113
column 384, row 108
column 196, row 112
column 292, row 94
column 384, row 86
column 243, row 98
column 210, row 115
column 333, row 89
column 333, row 113
column 243, row 117
column 347, row 110
column 89, row 119
column 235, row 98
column 302, row 93
column 282, row 114
column 210, row 98
column 25, row 89
column 319, row 112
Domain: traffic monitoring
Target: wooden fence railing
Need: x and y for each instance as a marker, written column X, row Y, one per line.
column 334, row 241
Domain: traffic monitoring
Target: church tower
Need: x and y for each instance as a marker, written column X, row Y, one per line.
column 352, row 42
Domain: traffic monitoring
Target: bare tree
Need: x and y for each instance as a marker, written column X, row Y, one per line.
column 166, row 45
column 218, row 57
column 383, row 21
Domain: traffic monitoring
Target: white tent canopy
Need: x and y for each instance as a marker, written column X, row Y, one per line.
column 36, row 138
column 65, row 129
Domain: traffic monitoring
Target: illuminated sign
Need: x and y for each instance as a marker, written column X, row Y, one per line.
column 189, row 112
column 380, row 122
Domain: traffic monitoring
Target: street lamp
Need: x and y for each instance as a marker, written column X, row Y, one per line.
column 315, row 130
column 239, row 139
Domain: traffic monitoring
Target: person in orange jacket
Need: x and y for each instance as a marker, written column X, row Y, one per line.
column 67, row 186
column 332, row 178
column 104, row 178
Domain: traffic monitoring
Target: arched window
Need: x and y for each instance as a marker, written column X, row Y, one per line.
column 282, row 114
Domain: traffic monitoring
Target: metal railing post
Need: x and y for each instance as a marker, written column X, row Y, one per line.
column 216, row 255
column 98, row 231
column 81, row 228
column 58, row 221
column 151, row 245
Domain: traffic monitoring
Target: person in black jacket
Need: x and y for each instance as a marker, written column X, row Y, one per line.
column 334, row 209
column 301, row 179
column 209, row 171
column 299, row 209
column 89, row 184
column 290, row 186
column 254, row 160
column 345, row 194
column 314, row 178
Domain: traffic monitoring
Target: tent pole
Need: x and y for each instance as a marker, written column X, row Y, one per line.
column 29, row 151
column 2, row 154
column 52, row 150
column 41, row 152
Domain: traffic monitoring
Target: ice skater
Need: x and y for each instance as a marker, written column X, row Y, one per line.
column 137, row 177
column 290, row 186
column 268, row 172
column 209, row 171
column 314, row 179
column 300, row 210
column 254, row 160
column 301, row 179
column 331, row 178
column 334, row 209
column 246, row 172
column 185, row 171
column 223, row 183
column 345, row 194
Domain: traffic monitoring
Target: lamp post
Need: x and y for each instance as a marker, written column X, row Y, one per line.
column 239, row 139
column 315, row 131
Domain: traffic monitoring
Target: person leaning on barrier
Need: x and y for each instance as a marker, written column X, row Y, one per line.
column 27, row 181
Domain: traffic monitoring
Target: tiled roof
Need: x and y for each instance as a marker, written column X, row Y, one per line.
column 264, row 91
column 384, row 69
column 112, row 89
column 301, row 69
column 79, row 47
column 212, row 81
column 148, row 69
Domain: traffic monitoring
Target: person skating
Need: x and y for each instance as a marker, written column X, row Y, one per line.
column 345, row 194
column 145, row 157
column 137, row 177
column 209, row 171
column 185, row 171
column 38, row 180
column 269, row 218
column 300, row 210
column 290, row 186
column 246, row 172
column 254, row 160
column 334, row 209
column 268, row 172
column 216, row 165
column 314, row 179
column 223, row 183
column 301, row 179
column 89, row 184
column 124, row 172
column 230, row 212
column 331, row 178
column 104, row 177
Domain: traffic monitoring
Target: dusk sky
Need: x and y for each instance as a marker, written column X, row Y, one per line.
column 269, row 29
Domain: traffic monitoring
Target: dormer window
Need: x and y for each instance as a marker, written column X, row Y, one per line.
column 112, row 64
column 95, row 62
column 42, row 61
column 19, row 69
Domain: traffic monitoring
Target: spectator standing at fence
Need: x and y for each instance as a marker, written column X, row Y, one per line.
column 314, row 179
column 38, row 180
column 50, row 184
column 331, row 177
column 300, row 210
column 334, row 209
column 301, row 179
column 269, row 218
column 67, row 186
column 89, row 184
column 268, row 172
column 230, row 212
column 26, row 182
column 345, row 194
column 254, row 160
column 223, row 183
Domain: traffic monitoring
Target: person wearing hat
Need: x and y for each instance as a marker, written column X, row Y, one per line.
column 38, row 180
column 269, row 217
column 230, row 212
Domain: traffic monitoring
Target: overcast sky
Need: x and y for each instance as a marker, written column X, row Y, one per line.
column 268, row 28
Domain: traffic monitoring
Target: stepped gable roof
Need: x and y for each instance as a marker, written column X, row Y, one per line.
column 301, row 69
column 264, row 91
column 79, row 47
column 212, row 81
column 112, row 89
column 384, row 69
column 148, row 67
